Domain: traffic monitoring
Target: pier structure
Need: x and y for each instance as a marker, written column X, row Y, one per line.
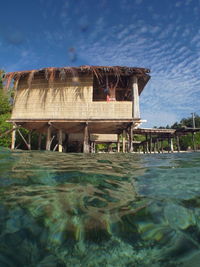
column 62, row 104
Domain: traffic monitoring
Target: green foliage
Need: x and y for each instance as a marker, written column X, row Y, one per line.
column 5, row 126
column 5, row 114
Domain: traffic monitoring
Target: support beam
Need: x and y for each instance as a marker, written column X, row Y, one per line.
column 86, row 147
column 60, row 145
column 124, row 141
column 13, row 137
column 28, row 146
column 135, row 99
column 48, row 140
column 118, row 143
column 171, row 144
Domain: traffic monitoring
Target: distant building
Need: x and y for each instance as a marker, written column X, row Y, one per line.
column 69, row 102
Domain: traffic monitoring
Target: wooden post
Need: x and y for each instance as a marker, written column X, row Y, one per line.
column 13, row 138
column 162, row 145
column 124, row 141
column 86, row 148
column 150, row 145
column 193, row 141
column 147, row 144
column 39, row 141
column 29, row 140
column 178, row 143
column 135, row 99
column 94, row 147
column 48, row 140
column 131, row 138
column 171, row 145
column 60, row 145
column 118, row 143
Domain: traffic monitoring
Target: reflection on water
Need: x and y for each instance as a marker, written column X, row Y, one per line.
column 99, row 210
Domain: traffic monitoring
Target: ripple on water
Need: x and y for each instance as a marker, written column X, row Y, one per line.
column 104, row 209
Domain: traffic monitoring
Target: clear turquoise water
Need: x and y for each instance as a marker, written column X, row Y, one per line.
column 99, row 210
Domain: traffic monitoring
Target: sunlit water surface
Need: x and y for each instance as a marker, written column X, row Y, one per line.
column 99, row 210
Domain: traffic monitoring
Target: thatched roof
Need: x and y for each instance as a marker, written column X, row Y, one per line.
column 97, row 71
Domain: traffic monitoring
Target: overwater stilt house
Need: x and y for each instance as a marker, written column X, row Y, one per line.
column 72, row 105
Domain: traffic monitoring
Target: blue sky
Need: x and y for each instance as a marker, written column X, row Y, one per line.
column 163, row 35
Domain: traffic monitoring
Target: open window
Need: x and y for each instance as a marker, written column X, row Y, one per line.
column 112, row 88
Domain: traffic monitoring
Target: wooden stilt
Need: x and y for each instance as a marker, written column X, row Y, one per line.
column 60, row 145
column 131, row 138
column 86, row 148
column 124, row 141
column 39, row 141
column 118, row 143
column 171, row 145
column 150, row 145
column 178, row 143
column 154, row 147
column 162, row 145
column 147, row 144
column 48, row 140
column 193, row 141
column 13, row 138
column 29, row 140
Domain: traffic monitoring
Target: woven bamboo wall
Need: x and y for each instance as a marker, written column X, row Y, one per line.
column 70, row 99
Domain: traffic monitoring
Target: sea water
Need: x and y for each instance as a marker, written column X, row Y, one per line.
column 61, row 209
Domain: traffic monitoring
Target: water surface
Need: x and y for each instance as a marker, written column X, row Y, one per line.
column 99, row 209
